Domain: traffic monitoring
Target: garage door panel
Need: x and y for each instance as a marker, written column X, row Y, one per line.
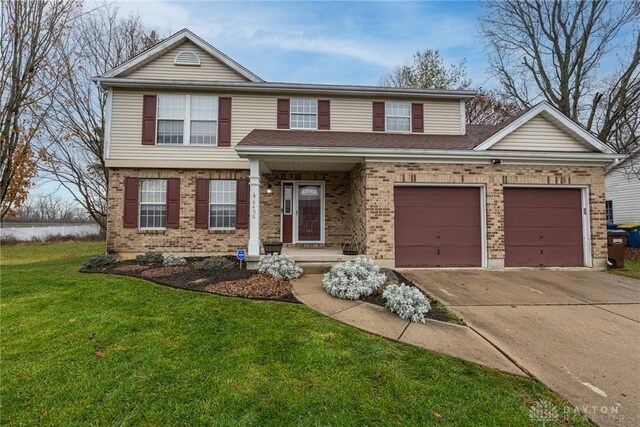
column 447, row 216
column 437, row 226
column 535, row 197
column 531, row 236
column 543, row 227
column 560, row 217
column 416, row 235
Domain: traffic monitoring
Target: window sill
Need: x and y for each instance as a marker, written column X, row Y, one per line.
column 152, row 230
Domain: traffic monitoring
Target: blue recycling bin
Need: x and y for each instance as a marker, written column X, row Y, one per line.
column 633, row 234
column 612, row 226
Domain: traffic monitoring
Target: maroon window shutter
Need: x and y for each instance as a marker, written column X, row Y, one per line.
column 131, row 202
column 224, row 122
column 378, row 116
column 173, row 202
column 324, row 115
column 283, row 114
column 149, row 119
column 242, row 203
column 417, row 123
column 202, row 203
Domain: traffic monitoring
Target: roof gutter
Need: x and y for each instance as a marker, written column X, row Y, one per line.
column 384, row 154
column 280, row 88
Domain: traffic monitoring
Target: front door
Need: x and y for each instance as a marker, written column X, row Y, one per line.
column 309, row 212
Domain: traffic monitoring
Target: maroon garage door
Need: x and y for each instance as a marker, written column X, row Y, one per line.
column 437, row 227
column 543, row 227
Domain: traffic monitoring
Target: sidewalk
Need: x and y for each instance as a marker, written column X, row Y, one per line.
column 453, row 340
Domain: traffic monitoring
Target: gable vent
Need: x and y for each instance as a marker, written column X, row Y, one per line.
column 187, row 57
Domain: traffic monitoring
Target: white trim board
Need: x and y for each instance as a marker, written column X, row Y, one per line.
column 574, row 129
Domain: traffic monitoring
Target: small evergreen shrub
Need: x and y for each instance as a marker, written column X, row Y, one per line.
column 353, row 279
column 173, row 260
column 150, row 258
column 215, row 263
column 279, row 266
column 100, row 261
column 407, row 302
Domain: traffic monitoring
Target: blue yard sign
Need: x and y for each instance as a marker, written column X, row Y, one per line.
column 241, row 254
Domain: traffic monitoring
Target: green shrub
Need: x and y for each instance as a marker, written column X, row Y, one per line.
column 150, row 258
column 215, row 263
column 100, row 261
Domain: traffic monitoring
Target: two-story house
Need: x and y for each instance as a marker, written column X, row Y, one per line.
column 205, row 157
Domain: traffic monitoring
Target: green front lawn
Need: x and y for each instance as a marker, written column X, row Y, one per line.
column 631, row 269
column 101, row 349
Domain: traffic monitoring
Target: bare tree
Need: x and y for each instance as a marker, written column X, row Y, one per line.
column 428, row 71
column 554, row 50
column 100, row 41
column 30, row 35
column 486, row 108
column 49, row 208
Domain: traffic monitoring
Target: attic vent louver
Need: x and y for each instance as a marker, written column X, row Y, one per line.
column 187, row 57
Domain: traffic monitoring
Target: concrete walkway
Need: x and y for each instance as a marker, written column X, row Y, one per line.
column 453, row 340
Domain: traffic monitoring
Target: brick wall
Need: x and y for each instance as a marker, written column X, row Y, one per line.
column 358, row 207
column 185, row 239
column 380, row 177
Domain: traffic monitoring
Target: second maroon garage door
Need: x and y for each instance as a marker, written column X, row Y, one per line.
column 543, row 227
column 437, row 227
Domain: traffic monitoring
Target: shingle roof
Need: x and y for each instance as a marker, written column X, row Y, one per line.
column 309, row 138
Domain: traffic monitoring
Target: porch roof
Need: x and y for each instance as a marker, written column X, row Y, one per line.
column 337, row 139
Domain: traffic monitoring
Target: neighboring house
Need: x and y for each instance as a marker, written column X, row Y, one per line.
column 205, row 157
column 622, row 189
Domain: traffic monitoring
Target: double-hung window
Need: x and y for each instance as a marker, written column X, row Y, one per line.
column 187, row 119
column 153, row 203
column 397, row 116
column 222, row 203
column 304, row 113
column 609, row 211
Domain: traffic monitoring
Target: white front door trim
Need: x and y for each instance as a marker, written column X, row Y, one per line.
column 296, row 185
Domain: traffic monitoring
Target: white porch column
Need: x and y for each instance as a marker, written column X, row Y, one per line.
column 254, row 208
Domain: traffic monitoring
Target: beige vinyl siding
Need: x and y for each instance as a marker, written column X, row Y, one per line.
column 442, row 117
column 624, row 192
column 126, row 136
column 210, row 69
column 539, row 134
column 351, row 115
column 252, row 112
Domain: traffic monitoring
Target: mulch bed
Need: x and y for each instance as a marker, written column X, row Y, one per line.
column 438, row 310
column 236, row 281
column 632, row 254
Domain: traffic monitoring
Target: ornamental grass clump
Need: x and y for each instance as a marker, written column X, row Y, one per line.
column 353, row 279
column 279, row 266
column 173, row 260
column 100, row 261
column 215, row 263
column 407, row 302
column 150, row 258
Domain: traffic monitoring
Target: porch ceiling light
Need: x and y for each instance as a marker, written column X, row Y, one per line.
column 269, row 189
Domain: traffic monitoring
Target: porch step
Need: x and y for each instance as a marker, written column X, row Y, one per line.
column 316, row 267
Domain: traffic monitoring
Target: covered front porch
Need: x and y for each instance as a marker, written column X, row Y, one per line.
column 310, row 205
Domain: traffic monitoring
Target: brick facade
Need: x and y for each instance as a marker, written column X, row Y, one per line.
column 185, row 239
column 359, row 205
column 379, row 206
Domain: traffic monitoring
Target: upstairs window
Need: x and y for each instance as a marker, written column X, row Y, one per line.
column 397, row 116
column 187, row 119
column 222, row 203
column 304, row 113
column 171, row 117
column 153, row 203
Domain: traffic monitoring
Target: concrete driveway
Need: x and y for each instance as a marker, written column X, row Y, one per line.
column 576, row 331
